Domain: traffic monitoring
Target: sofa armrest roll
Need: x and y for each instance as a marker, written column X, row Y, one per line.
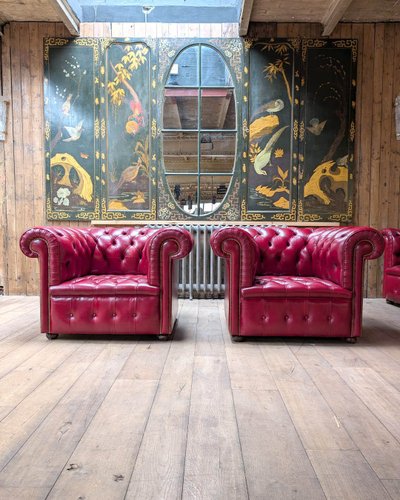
column 64, row 253
column 338, row 253
column 241, row 251
column 165, row 245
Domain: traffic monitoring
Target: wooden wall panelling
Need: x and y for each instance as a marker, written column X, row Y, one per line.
column 17, row 266
column 375, row 161
column 394, row 184
column 385, row 175
column 376, row 144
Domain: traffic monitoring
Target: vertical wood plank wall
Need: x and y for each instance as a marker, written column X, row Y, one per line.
column 377, row 152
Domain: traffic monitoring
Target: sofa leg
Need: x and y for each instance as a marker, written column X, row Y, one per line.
column 351, row 340
column 237, row 338
column 163, row 337
column 51, row 336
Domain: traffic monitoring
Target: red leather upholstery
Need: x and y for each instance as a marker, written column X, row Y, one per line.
column 391, row 265
column 107, row 280
column 295, row 281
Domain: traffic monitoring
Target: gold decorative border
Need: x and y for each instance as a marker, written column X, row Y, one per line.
column 53, row 42
column 291, row 216
column 310, row 43
column 118, row 215
column 353, row 44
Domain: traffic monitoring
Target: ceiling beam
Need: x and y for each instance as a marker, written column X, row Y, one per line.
column 67, row 15
column 333, row 15
column 247, row 7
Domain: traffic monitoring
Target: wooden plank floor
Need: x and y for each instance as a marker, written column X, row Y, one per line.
column 198, row 417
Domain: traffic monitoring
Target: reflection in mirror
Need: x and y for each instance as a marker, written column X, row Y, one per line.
column 212, row 192
column 218, row 109
column 180, row 108
column 214, row 72
column 217, row 150
column 180, row 151
column 184, row 72
column 184, row 190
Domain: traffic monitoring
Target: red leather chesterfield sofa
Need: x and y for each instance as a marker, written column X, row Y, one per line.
column 107, row 280
column 391, row 266
column 295, row 281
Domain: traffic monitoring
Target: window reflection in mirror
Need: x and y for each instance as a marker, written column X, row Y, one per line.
column 218, row 109
column 185, row 70
column 217, row 152
column 184, row 191
column 180, row 152
column 214, row 72
column 199, row 130
column 213, row 189
column 181, row 108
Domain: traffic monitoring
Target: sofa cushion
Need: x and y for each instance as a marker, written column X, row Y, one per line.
column 294, row 286
column 106, row 284
column 120, row 250
column 393, row 271
column 283, row 250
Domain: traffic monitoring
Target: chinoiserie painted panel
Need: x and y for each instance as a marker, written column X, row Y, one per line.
column 253, row 130
column 126, row 171
column 274, row 84
column 71, row 128
column 327, row 130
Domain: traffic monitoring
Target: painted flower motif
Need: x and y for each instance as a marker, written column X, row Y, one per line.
column 62, row 197
column 254, row 150
column 278, row 153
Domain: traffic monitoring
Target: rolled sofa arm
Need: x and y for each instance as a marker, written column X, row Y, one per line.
column 64, row 253
column 166, row 244
column 392, row 247
column 242, row 256
column 338, row 253
column 242, row 252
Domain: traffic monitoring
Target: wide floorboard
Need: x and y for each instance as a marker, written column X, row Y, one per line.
column 199, row 417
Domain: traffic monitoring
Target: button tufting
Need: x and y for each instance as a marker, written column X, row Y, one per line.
column 286, row 317
column 94, row 315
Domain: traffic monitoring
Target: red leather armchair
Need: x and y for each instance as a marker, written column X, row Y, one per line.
column 391, row 266
column 107, row 280
column 295, row 281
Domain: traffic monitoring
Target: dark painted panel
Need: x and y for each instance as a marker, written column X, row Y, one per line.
column 273, row 108
column 327, row 130
column 71, row 142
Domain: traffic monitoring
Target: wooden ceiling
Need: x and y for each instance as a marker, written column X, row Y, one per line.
column 326, row 12
column 39, row 10
column 28, row 10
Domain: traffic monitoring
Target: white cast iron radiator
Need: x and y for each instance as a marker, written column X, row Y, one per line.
column 201, row 273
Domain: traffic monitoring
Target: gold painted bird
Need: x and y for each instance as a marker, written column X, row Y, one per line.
column 129, row 174
column 264, row 157
column 316, row 127
column 74, row 132
column 270, row 107
column 66, row 105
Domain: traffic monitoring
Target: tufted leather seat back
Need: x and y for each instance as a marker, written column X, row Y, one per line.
column 283, row 251
column 120, row 250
